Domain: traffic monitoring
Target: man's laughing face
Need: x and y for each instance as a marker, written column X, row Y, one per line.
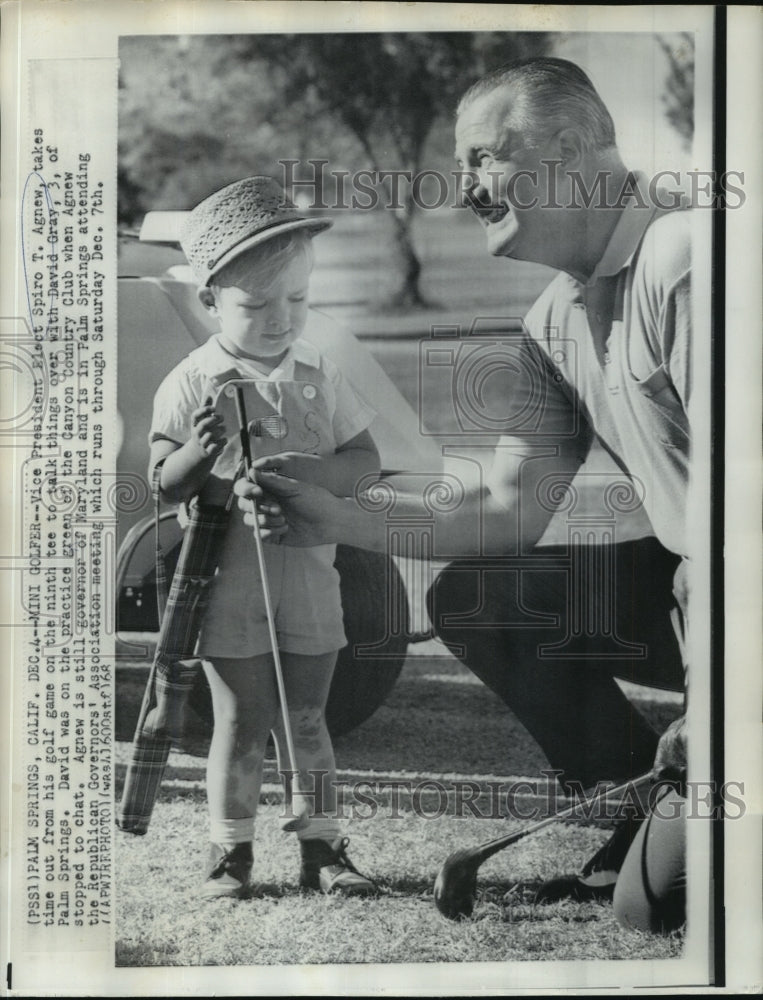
column 503, row 177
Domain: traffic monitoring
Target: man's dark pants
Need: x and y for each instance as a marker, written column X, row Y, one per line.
column 549, row 632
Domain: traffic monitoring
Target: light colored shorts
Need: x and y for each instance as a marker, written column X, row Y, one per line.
column 304, row 592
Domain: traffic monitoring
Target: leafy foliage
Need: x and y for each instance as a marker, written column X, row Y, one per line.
column 679, row 86
column 198, row 112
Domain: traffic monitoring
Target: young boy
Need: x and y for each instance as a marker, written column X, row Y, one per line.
column 252, row 254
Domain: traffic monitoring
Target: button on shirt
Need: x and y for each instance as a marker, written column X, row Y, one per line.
column 304, row 405
column 320, row 411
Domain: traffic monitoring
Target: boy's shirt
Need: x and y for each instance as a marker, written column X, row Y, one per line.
column 318, row 409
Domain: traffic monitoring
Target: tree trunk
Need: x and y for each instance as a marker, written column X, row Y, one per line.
column 408, row 295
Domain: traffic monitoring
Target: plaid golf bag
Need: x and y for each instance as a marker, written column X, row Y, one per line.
column 174, row 668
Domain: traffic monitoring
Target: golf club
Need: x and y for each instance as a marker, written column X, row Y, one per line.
column 455, row 889
column 258, row 427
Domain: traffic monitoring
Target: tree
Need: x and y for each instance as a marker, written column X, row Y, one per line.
column 199, row 111
column 679, row 86
column 183, row 132
column 387, row 91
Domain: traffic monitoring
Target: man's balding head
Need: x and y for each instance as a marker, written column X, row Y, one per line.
column 548, row 95
column 527, row 137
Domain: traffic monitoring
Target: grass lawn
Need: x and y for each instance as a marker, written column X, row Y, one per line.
column 439, row 721
column 160, row 921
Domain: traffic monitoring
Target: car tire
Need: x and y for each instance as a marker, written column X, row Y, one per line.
column 376, row 622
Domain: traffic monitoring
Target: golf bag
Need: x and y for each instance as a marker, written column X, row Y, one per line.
column 174, row 668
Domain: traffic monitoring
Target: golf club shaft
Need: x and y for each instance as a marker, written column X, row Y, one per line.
column 246, row 449
column 493, row 846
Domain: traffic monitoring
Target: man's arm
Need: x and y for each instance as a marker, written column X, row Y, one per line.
column 524, row 485
column 524, row 492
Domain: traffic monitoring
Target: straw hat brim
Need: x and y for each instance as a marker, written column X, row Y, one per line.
column 277, row 229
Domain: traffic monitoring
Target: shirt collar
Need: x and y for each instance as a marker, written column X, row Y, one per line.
column 300, row 352
column 636, row 215
column 306, row 353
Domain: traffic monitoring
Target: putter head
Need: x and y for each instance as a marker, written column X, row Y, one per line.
column 293, row 824
column 292, row 820
column 455, row 889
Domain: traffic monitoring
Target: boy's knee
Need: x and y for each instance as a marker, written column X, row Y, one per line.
column 240, row 726
column 307, row 721
column 309, row 727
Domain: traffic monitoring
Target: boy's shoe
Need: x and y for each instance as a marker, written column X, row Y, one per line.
column 229, row 872
column 325, row 866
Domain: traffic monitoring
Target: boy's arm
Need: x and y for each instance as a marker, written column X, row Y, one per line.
column 338, row 473
column 187, row 466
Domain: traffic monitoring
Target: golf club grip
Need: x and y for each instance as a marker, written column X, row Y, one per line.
column 243, row 429
column 494, row 846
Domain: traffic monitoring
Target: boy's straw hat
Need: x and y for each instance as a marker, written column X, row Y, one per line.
column 235, row 219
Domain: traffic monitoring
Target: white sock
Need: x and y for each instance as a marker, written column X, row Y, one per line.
column 320, row 829
column 229, row 832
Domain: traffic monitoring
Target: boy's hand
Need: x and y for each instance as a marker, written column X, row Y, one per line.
column 208, row 432
column 292, row 464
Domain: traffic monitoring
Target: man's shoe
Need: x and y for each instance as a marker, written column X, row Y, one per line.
column 575, row 887
column 229, row 872
column 326, row 867
column 599, row 875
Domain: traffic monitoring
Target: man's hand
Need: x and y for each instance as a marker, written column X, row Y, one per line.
column 291, row 464
column 670, row 759
column 339, row 473
column 302, row 513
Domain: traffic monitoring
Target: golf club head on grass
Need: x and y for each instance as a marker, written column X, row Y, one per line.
column 455, row 889
column 292, row 821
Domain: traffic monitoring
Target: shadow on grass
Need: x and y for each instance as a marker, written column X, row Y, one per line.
column 505, row 900
column 438, row 718
column 404, row 887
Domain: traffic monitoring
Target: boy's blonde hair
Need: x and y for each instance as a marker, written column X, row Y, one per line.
column 266, row 262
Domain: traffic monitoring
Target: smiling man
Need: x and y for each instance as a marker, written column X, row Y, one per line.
column 609, row 341
column 538, row 141
column 546, row 180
